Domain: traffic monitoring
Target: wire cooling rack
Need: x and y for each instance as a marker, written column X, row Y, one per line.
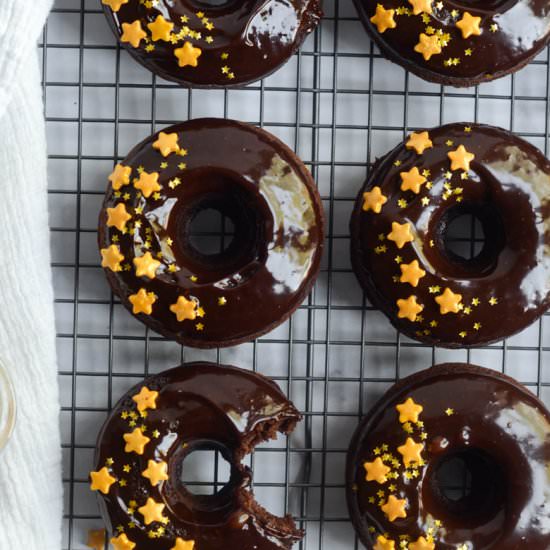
column 339, row 104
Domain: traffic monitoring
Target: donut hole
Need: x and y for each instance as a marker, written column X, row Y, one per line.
column 210, row 232
column 209, row 4
column 205, row 471
column 469, row 485
column 485, row 5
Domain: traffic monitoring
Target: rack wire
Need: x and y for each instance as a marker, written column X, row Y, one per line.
column 339, row 104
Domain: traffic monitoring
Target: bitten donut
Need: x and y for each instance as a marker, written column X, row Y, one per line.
column 212, row 43
column 141, row 452
column 198, row 298
column 407, row 458
column 399, row 227
column 458, row 42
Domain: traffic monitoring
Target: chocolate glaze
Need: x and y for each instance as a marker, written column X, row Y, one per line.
column 200, row 406
column 267, row 270
column 498, row 428
column 258, row 36
column 523, row 31
column 508, row 190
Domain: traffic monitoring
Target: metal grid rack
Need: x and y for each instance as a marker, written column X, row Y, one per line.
column 339, row 104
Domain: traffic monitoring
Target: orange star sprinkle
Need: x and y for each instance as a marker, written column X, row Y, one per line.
column 411, row 273
column 377, row 471
column 166, row 144
column 428, row 46
column 118, row 216
column 135, row 442
column 461, row 158
column 394, row 508
column 152, row 511
column 148, row 183
column 382, row 543
column 409, row 411
column 409, row 308
column 146, row 399
column 421, row 6
column 96, row 539
column 412, row 180
column 120, row 176
column 411, row 452
column 160, row 29
column 184, row 309
column 146, row 266
column 188, row 55
column 449, row 302
column 400, row 234
column 374, row 200
column 156, row 472
column 115, row 5
column 383, row 19
column 419, row 142
column 101, row 481
column 142, row 302
column 123, row 543
column 469, row 25
column 111, row 258
column 421, row 544
column 183, row 544
column 133, row 33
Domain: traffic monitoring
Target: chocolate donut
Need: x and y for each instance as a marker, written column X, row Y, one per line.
column 202, row 299
column 449, row 420
column 141, row 452
column 458, row 42
column 399, row 226
column 216, row 43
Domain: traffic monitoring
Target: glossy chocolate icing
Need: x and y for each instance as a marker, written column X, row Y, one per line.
column 522, row 31
column 508, row 190
column 496, row 426
column 252, row 38
column 200, row 405
column 269, row 267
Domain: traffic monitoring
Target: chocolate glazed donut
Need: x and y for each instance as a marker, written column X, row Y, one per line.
column 141, row 454
column 198, row 298
column 399, row 225
column 458, row 42
column 212, row 43
column 460, row 418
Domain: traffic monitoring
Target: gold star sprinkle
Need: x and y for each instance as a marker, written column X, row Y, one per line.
column 412, row 180
column 96, row 539
column 449, row 412
column 411, row 273
column 146, row 266
column 469, row 25
column 411, row 452
column 383, row 19
column 376, row 471
column 133, row 33
column 135, row 442
column 400, row 234
column 409, row 411
column 184, row 309
column 183, row 544
column 101, row 481
column 449, row 302
column 115, row 6
column 492, row 301
column 120, row 176
column 111, row 258
column 421, row 544
column 160, row 29
column 123, row 543
column 460, row 159
column 394, row 508
column 428, row 46
column 382, row 543
column 222, row 301
column 148, row 183
column 118, row 216
column 146, row 399
column 374, row 200
column 421, row 6
column 156, row 472
column 188, row 55
column 166, row 144
column 142, row 302
column 419, row 142
column 409, row 308
column 152, row 511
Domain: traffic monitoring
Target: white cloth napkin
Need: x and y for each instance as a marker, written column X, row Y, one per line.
column 30, row 466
